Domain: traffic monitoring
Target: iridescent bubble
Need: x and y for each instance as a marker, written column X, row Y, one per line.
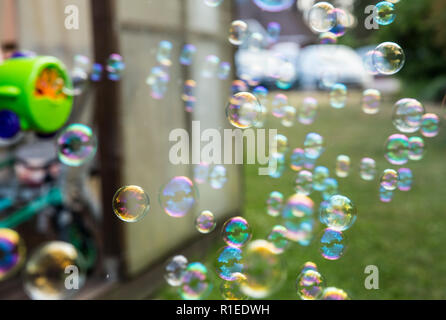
column 238, row 32
column 96, row 72
column 189, row 90
column 276, row 165
column 416, row 148
column 278, row 237
column 273, row 30
column 304, row 182
column 388, row 58
column 229, row 263
column 328, row 38
column 297, row 159
column 286, row 75
column 280, row 100
column 274, row 5
column 158, row 81
column 178, row 196
column 307, row 113
column 210, row 66
column 320, row 173
column 243, row 110
column 12, row 253
column 385, row 195
column 341, row 22
column 330, row 188
column 236, row 232
column 224, row 70
column 76, row 145
column 313, row 145
column 261, row 93
column 281, row 143
column 264, row 270
column 115, row 67
column 332, row 244
column 405, row 178
column 385, row 13
column 407, row 115
column 367, row 169
column 289, row 115
column 201, row 173
column 274, row 203
column 321, row 17
column 389, row 179
column 175, row 269
column 45, row 275
column 195, row 283
column 262, row 117
column 218, row 177
column 297, row 216
column 164, row 53
column 309, row 265
column 82, row 62
column 338, row 96
column 430, row 125
column 239, row 86
column 332, row 293
column 79, row 78
column 205, row 222
column 310, row 284
column 371, row 100
column 131, row 203
column 397, row 149
column 339, row 214
column 342, row 166
column 187, row 54
column 231, row 290
column 368, row 63
column 213, row 3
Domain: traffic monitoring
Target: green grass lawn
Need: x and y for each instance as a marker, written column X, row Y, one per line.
column 405, row 239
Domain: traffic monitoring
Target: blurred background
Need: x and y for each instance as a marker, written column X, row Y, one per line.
column 45, row 200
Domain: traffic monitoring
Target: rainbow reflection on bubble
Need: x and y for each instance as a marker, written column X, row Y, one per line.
column 331, row 187
column 339, row 214
column 164, row 53
column 213, row 3
column 332, row 244
column 274, row 5
column 313, row 145
column 320, row 173
column 416, row 148
column 218, row 177
column 338, row 96
column 12, row 253
column 307, row 112
column 229, row 263
column 342, row 166
column 175, row 269
column 178, row 196
column 385, row 195
column 201, row 173
column 131, row 203
column 304, row 182
column 76, row 145
column 389, row 179
column 310, row 284
column 297, row 218
column 243, row 110
column 274, row 203
column 273, row 30
column 297, row 159
column 405, row 179
column 158, row 81
column 388, row 58
column 371, row 100
column 332, row 293
column 238, row 32
column 367, row 169
column 236, row 232
column 115, row 67
column 397, row 149
column 430, row 125
column 278, row 238
column 320, row 17
column 195, row 283
column 231, row 290
column 187, row 54
column 385, row 13
column 407, row 115
column 205, row 222
column 309, row 265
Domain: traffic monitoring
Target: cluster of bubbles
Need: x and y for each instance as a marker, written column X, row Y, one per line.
column 216, row 176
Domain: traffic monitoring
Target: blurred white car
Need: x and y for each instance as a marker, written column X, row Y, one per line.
column 321, row 66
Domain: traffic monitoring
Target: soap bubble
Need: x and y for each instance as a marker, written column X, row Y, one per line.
column 280, row 100
column 274, row 203
column 430, row 125
column 304, row 182
column 213, row 3
column 131, row 203
column 319, row 175
column 309, row 265
column 264, row 270
column 342, row 166
column 385, row 13
column 278, row 237
column 367, row 169
column 231, row 290
column 189, row 90
column 321, row 17
column 12, row 253
column 243, row 110
column 416, row 148
column 45, row 272
column 158, row 81
column 224, row 70
column 407, row 115
column 178, row 196
column 274, row 5
column 369, row 64
column 297, row 159
column 261, row 93
column 388, row 58
column 273, row 31
column 332, row 293
column 338, row 96
column 96, row 72
column 332, row 244
column 297, row 216
column 187, row 54
column 389, row 179
column 175, row 269
column 286, row 75
column 236, row 232
column 76, row 145
column 328, row 38
column 330, row 188
column 289, row 114
column 397, row 149
column 205, row 222
column 238, row 32
column 210, row 67
column 385, row 195
column 339, row 214
column 217, row 177
column 195, row 283
column 115, row 67
column 405, row 178
column 276, row 165
column 342, row 21
column 310, row 284
column 313, row 145
column 281, row 143
column 201, row 173
column 307, row 113
column 371, row 100
column 164, row 53
column 239, row 86
column 229, row 263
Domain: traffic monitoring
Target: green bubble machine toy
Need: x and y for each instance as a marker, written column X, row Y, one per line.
column 34, row 95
